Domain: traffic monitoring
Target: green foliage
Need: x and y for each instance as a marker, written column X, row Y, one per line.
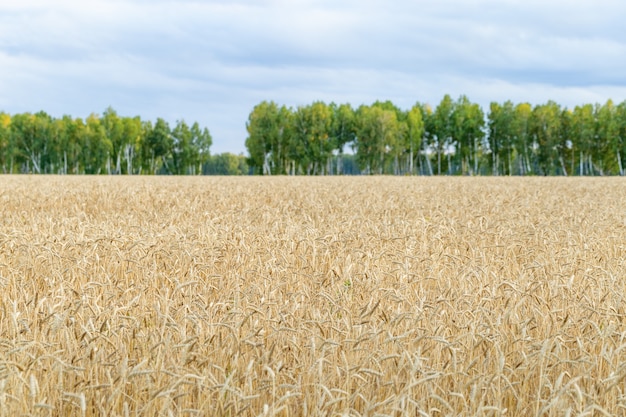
column 100, row 144
column 415, row 128
column 545, row 125
column 8, row 149
column 501, row 137
column 184, row 154
column 266, row 142
column 97, row 147
column 226, row 164
column 201, row 142
column 456, row 138
column 377, row 130
column 468, row 123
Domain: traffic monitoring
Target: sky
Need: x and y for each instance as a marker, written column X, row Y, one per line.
column 213, row 61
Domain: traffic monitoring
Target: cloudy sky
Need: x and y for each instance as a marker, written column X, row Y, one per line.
column 211, row 61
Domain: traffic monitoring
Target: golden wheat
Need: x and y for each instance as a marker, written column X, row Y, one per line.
column 312, row 296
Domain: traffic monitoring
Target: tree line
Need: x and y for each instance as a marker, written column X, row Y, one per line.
column 455, row 138
column 108, row 144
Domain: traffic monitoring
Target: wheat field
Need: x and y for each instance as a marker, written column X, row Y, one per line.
column 366, row 296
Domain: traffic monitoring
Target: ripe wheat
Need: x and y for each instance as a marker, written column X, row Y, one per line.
column 312, row 296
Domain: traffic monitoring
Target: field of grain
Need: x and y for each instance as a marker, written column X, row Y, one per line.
column 366, row 296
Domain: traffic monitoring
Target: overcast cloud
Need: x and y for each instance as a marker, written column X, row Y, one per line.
column 212, row 61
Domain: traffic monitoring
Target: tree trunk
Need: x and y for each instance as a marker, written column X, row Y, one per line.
column 129, row 159
column 563, row 165
column 582, row 165
column 438, row 161
column 430, row 168
column 36, row 166
column 266, row 166
column 475, row 152
column 420, row 165
column 339, row 163
column 510, row 161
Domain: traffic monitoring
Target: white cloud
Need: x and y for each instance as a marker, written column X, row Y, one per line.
column 212, row 61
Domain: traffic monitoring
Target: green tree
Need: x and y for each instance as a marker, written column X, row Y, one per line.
column 428, row 140
column 184, row 153
column 320, row 143
column 621, row 142
column 501, row 137
column 31, row 134
column 299, row 156
column 226, row 164
column 565, row 144
column 583, row 136
column 157, row 146
column 441, row 129
column 7, row 146
column 396, row 140
column 545, row 126
column 310, row 138
column 342, row 131
column 268, row 138
column 113, row 127
column 414, row 134
column 522, row 139
column 133, row 133
column 376, row 133
column 606, row 149
column 201, row 141
column 97, row 147
column 75, row 145
column 468, row 122
column 56, row 155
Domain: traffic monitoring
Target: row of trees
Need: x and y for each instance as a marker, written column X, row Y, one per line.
column 226, row 164
column 107, row 143
column 455, row 138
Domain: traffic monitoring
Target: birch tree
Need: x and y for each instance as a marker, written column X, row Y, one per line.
column 441, row 129
column 467, row 122
column 545, row 129
column 501, row 137
column 415, row 132
column 266, row 140
column 342, row 131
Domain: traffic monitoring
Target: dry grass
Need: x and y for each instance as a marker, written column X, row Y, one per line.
column 312, row 296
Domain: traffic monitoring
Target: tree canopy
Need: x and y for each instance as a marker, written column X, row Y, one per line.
column 101, row 144
column 457, row 137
